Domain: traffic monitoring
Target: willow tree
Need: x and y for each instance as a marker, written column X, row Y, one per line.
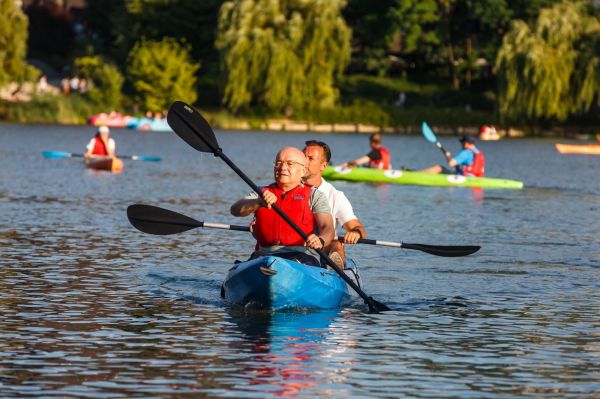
column 282, row 54
column 551, row 69
column 13, row 44
column 161, row 72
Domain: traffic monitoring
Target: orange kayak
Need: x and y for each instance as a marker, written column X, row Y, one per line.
column 110, row 164
column 590, row 149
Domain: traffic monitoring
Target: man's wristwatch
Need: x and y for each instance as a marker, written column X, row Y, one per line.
column 322, row 240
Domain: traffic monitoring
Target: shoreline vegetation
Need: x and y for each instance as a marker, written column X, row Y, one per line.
column 52, row 107
column 309, row 66
column 41, row 110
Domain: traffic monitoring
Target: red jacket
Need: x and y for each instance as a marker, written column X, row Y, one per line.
column 270, row 228
column 99, row 147
column 477, row 168
column 384, row 163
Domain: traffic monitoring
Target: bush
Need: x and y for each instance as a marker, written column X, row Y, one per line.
column 106, row 82
column 162, row 72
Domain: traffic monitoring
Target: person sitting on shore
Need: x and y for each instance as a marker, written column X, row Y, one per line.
column 318, row 155
column 469, row 162
column 378, row 158
column 101, row 144
column 305, row 205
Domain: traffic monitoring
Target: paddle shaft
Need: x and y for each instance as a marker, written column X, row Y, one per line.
column 60, row 154
column 154, row 220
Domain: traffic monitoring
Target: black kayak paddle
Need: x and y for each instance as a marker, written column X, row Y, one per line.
column 155, row 220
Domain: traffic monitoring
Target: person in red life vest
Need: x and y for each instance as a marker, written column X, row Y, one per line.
column 101, row 144
column 469, row 162
column 378, row 158
column 305, row 205
column 318, row 155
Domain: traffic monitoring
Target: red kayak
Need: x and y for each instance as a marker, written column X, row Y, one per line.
column 110, row 164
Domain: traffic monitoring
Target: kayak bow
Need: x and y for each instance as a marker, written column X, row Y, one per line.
column 276, row 283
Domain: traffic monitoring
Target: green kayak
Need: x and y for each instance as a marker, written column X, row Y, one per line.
column 416, row 178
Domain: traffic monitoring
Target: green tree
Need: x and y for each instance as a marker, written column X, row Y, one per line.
column 372, row 34
column 550, row 69
column 118, row 24
column 105, row 81
column 282, row 54
column 161, row 72
column 13, row 45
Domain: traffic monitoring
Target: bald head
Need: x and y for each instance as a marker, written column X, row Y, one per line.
column 291, row 153
column 290, row 167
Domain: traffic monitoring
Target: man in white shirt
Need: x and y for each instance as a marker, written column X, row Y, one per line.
column 318, row 156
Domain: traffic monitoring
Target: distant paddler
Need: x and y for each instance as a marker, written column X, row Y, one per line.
column 378, row 158
column 469, row 162
column 100, row 152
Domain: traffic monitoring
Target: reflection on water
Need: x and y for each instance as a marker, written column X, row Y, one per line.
column 90, row 307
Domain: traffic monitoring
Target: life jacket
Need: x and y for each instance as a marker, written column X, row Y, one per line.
column 99, row 147
column 477, row 168
column 270, row 228
column 384, row 163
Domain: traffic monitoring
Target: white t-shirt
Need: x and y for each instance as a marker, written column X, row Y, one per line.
column 341, row 209
column 92, row 143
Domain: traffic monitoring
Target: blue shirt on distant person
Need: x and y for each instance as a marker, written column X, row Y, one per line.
column 464, row 158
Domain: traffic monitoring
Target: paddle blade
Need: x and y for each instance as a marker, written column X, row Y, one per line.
column 188, row 124
column 428, row 133
column 56, row 154
column 376, row 306
column 154, row 220
column 441, row 250
column 145, row 158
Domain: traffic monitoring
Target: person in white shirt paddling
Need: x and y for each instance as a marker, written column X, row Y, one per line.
column 318, row 155
column 101, row 145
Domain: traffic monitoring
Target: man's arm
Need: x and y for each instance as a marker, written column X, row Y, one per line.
column 354, row 231
column 324, row 222
column 359, row 161
column 250, row 203
column 246, row 206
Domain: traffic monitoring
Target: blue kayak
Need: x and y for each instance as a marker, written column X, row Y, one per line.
column 276, row 283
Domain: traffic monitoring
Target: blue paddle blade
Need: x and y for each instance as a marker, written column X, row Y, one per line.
column 144, row 158
column 428, row 133
column 56, row 154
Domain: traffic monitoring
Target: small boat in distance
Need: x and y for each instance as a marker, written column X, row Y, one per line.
column 109, row 164
column 112, row 119
column 587, row 149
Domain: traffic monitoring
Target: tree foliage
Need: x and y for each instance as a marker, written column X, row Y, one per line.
column 550, row 69
column 282, row 54
column 13, row 44
column 105, row 81
column 118, row 24
column 162, row 72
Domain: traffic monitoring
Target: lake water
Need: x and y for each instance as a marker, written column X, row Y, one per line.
column 93, row 308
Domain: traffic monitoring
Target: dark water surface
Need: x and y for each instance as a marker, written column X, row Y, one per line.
column 92, row 308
